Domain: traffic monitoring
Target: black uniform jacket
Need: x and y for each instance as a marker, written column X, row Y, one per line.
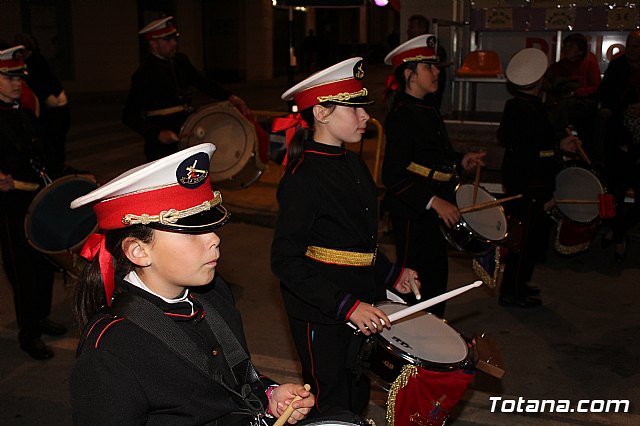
column 328, row 200
column 20, row 143
column 159, row 83
column 530, row 162
column 124, row 375
column 415, row 132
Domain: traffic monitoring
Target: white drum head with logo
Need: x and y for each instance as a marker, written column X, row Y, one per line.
column 578, row 183
column 424, row 336
column 490, row 223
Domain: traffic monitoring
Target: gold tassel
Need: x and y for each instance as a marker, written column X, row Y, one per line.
column 407, row 372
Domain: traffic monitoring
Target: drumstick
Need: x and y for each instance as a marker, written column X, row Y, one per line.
column 571, row 132
column 488, row 204
column 289, row 411
column 433, row 301
column 572, row 201
column 476, row 183
column 185, row 135
column 414, row 287
column 427, row 303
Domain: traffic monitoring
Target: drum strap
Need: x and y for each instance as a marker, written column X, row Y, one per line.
column 152, row 319
column 429, row 173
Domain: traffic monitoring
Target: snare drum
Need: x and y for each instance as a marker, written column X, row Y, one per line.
column 422, row 339
column 236, row 162
column 575, row 182
column 477, row 231
column 56, row 230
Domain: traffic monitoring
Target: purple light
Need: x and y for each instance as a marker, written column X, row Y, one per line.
column 381, row 2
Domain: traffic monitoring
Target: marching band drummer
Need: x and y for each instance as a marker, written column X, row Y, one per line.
column 325, row 245
column 530, row 165
column 163, row 343
column 420, row 166
column 159, row 100
column 22, row 149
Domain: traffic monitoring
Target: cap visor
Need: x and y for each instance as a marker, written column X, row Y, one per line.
column 359, row 101
column 200, row 223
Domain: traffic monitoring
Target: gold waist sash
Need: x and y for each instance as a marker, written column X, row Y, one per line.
column 340, row 257
column 426, row 172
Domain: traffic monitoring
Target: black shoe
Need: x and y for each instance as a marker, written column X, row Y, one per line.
column 36, row 348
column 52, row 328
column 519, row 302
column 531, row 290
column 621, row 252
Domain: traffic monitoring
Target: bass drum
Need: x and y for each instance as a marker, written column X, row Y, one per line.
column 422, row 339
column 477, row 231
column 55, row 229
column 236, row 163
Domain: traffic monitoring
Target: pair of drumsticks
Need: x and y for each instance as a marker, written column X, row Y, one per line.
column 488, row 204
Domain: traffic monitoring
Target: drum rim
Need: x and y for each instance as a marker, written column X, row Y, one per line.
column 420, row 362
column 41, row 193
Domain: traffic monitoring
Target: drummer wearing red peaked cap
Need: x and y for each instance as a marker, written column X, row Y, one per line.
column 324, row 248
column 340, row 84
column 139, row 313
column 172, row 194
column 419, row 49
column 160, row 28
column 11, row 63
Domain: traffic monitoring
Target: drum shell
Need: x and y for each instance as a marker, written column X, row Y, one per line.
column 388, row 358
column 236, row 163
column 54, row 229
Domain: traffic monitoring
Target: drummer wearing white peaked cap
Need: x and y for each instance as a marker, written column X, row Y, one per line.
column 530, row 164
column 527, row 67
column 151, row 294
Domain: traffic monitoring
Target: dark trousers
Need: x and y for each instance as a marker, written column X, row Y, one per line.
column 623, row 173
column 30, row 274
column 534, row 229
column 326, row 353
column 421, row 246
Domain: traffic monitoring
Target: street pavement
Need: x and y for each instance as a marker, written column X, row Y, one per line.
column 582, row 344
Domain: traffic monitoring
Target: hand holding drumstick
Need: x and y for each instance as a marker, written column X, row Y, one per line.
column 301, row 402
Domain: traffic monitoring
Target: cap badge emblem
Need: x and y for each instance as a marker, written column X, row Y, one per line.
column 193, row 171
column 358, row 71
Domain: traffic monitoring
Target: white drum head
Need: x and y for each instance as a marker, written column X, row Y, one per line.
column 232, row 134
column 490, row 223
column 577, row 183
column 424, row 336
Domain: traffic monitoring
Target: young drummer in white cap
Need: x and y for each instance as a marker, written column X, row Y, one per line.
column 325, row 244
column 529, row 167
column 162, row 341
column 420, row 166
